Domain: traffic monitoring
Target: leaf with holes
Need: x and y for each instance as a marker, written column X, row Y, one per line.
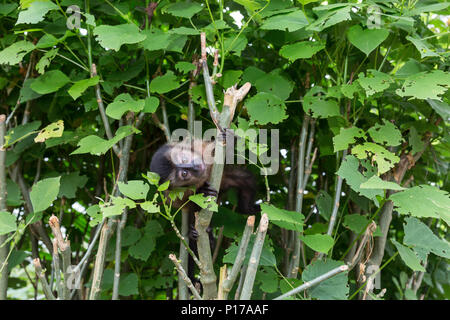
column 35, row 12
column 53, row 130
column 346, row 137
column 320, row 107
column 425, row 85
column 14, row 53
column 290, row 220
column 374, row 82
column 134, row 189
column 264, row 108
column 385, row 159
column 386, row 134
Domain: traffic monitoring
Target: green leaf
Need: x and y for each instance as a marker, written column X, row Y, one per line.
column 292, row 21
column 159, row 40
column 53, row 130
column 7, row 223
column 324, row 204
column 425, row 85
column 134, row 189
column 97, row 146
column 183, row 9
column 185, row 67
column 116, row 206
column 349, row 171
column 356, row 222
column 368, row 39
column 441, row 107
column 49, row 82
column 374, row 82
column 334, row 288
column 46, row 59
column 331, row 18
column 205, row 202
column 415, row 141
column 300, row 50
column 143, row 248
column 230, row 78
column 80, row 86
column 70, row 183
column 346, row 137
column 185, row 31
column 423, row 47
column 235, row 45
column 128, row 284
column 130, row 235
column 418, row 234
column 268, row 279
column 386, row 134
column 265, row 108
column 151, row 104
column 274, row 84
column 43, row 193
column 14, row 53
column 318, row 105
column 14, row 196
column 375, row 182
column 290, row 220
column 113, row 37
column 150, row 206
column 21, row 132
column 26, row 93
column 123, row 103
column 94, row 213
column 35, row 12
column 165, row 83
column 318, row 242
column 423, row 201
column 408, row 256
column 385, row 160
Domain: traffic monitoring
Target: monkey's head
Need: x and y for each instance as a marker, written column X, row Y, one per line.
column 189, row 167
column 182, row 163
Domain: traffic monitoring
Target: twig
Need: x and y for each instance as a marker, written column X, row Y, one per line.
column 45, row 287
column 240, row 257
column 4, row 249
column 64, row 248
column 253, row 263
column 57, row 270
column 101, row 108
column 99, row 263
column 314, row 282
column 184, row 276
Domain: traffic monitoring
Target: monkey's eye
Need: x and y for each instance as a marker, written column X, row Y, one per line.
column 184, row 173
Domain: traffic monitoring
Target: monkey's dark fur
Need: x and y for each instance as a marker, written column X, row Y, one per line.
column 189, row 164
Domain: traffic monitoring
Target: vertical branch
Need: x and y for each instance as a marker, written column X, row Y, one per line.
column 295, row 259
column 99, row 262
column 240, row 257
column 253, row 263
column 184, row 276
column 222, row 120
column 4, row 246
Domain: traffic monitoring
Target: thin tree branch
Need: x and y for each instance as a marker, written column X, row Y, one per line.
column 184, row 276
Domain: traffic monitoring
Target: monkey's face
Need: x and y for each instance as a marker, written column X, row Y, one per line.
column 189, row 166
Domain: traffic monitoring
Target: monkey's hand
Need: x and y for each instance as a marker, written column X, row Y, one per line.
column 207, row 190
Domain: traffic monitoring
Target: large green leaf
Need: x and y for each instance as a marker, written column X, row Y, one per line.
column 290, row 220
column 346, row 137
column 165, row 83
column 49, row 82
column 134, row 189
column 43, row 193
column 300, row 50
column 386, row 134
column 14, row 53
column 334, row 288
column 291, row 21
column 77, row 89
column 36, row 11
column 113, row 37
column 7, row 223
column 184, row 9
column 265, row 108
column 425, row 85
column 123, row 103
column 366, row 40
column 423, row 201
column 409, row 257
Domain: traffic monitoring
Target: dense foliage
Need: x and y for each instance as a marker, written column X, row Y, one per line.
column 358, row 92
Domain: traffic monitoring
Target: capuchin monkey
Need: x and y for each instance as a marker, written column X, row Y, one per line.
column 188, row 164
